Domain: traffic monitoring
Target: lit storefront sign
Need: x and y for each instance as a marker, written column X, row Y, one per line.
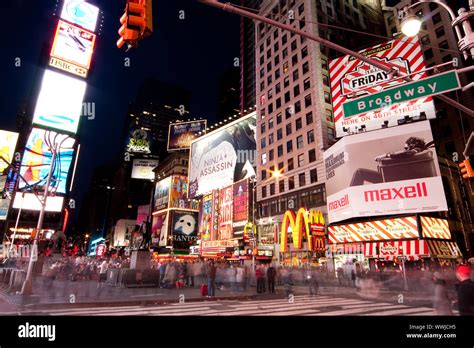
column 435, row 228
column 412, row 250
column 388, row 229
column 81, row 13
column 309, row 222
column 443, row 249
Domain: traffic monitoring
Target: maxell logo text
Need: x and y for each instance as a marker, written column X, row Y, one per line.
column 37, row 331
column 419, row 190
column 339, row 203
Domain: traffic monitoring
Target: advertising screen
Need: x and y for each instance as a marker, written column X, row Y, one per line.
column 162, row 192
column 37, row 159
column 435, row 228
column 73, row 44
column 81, row 13
column 240, row 207
column 7, row 147
column 59, row 104
column 387, row 229
column 143, row 169
column 4, row 198
column 385, row 172
column 352, row 78
column 159, row 230
column 30, row 202
column 181, row 135
column 205, row 218
column 179, row 192
column 142, row 213
column 184, row 229
column 223, row 157
column 225, row 213
column 139, row 141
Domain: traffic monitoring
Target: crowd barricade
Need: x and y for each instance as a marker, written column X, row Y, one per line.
column 16, row 280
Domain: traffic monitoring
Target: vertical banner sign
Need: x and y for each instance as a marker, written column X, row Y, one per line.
column 215, row 215
column 7, row 147
column 240, row 207
column 162, row 192
column 184, row 229
column 179, row 192
column 205, row 226
column 352, row 78
column 4, row 200
column 225, row 213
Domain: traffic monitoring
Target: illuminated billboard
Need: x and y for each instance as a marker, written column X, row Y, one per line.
column 143, row 169
column 352, row 78
column 37, row 159
column 139, row 141
column 73, row 44
column 162, row 193
column 385, row 172
column 225, row 213
column 7, row 147
column 30, row 202
column 181, row 135
column 184, row 227
column 220, row 158
column 435, row 228
column 240, row 207
column 4, row 198
column 59, row 103
column 375, row 230
column 81, row 13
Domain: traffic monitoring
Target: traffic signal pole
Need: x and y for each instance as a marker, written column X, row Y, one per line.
column 386, row 67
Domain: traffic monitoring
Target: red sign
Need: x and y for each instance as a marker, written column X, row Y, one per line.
column 100, row 250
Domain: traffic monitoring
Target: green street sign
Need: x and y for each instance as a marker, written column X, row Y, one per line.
column 426, row 87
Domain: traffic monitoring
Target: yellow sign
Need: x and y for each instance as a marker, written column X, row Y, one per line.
column 300, row 223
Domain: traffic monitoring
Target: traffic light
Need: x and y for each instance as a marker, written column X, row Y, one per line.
column 137, row 22
column 466, row 169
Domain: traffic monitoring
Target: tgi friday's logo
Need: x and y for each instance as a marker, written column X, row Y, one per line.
column 366, row 79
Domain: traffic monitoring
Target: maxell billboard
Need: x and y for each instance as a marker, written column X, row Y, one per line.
column 222, row 157
column 383, row 173
column 351, row 78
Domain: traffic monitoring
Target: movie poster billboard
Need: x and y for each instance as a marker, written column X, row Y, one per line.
column 352, row 78
column 205, row 218
column 38, row 156
column 180, row 135
column 385, row 172
column 222, row 157
column 225, row 213
column 240, row 207
column 142, row 213
column 143, row 169
column 162, row 192
column 179, row 192
column 159, row 230
column 184, row 228
column 7, row 147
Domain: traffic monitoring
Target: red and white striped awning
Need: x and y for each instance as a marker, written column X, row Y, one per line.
column 443, row 249
column 412, row 249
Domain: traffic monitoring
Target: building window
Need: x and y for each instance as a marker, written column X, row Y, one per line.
column 262, row 60
column 439, row 32
column 262, row 73
column 277, row 73
column 262, row 128
column 326, row 80
column 428, row 53
column 272, row 189
column 299, row 142
column 264, row 158
column 291, row 183
column 297, row 106
column 331, row 133
column 280, row 150
column 444, row 45
column 305, row 67
column 301, row 160
column 306, row 84
column 309, row 118
column 324, row 64
column 271, row 155
column 312, row 155
column 287, row 97
column 307, row 100
column 263, row 143
column 270, row 123
column 269, row 79
column 301, row 9
column 293, row 45
column 313, row 176
column 262, row 85
column 280, row 166
column 284, row 39
column 264, row 191
column 302, row 179
column 284, row 54
column 277, row 59
column 279, row 118
column 436, row 18
column 296, row 90
column 289, row 146
column 298, row 123
column 270, row 93
column 275, row 34
column 270, row 139
column 264, row 174
column 281, row 185
column 329, row 117
column 447, row 58
column 270, row 108
column 279, row 134
column 269, row 66
column 296, row 75
column 327, row 97
column 304, row 52
column 310, row 137
column 288, row 129
column 288, row 112
column 285, row 67
column 276, row 46
column 278, row 103
column 277, row 88
column 425, row 40
column 294, row 60
column 286, row 82
column 269, row 53
column 291, row 165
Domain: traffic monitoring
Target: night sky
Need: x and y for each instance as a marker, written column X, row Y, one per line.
column 192, row 53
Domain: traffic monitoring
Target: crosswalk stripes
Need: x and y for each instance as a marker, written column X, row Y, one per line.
column 302, row 305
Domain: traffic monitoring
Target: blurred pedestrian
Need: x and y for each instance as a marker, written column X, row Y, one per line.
column 271, row 275
column 353, row 278
column 260, row 275
column 239, row 277
column 465, row 290
column 211, row 278
column 441, row 301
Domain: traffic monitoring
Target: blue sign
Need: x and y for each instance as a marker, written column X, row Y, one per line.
column 81, row 13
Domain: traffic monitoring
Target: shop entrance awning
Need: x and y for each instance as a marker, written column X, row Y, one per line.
column 412, row 249
column 443, row 249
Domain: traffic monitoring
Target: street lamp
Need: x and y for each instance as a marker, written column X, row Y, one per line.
column 410, row 25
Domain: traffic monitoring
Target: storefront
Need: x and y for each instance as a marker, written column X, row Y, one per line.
column 346, row 255
column 443, row 253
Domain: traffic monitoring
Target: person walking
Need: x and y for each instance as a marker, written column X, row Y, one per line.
column 353, row 278
column 441, row 301
column 313, row 282
column 260, row 274
column 465, row 291
column 239, row 278
column 271, row 275
column 103, row 272
column 211, row 278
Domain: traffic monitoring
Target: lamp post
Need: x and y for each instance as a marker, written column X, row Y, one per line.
column 405, row 283
column 410, row 25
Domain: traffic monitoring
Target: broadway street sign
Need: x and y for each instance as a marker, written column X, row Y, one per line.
column 429, row 86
